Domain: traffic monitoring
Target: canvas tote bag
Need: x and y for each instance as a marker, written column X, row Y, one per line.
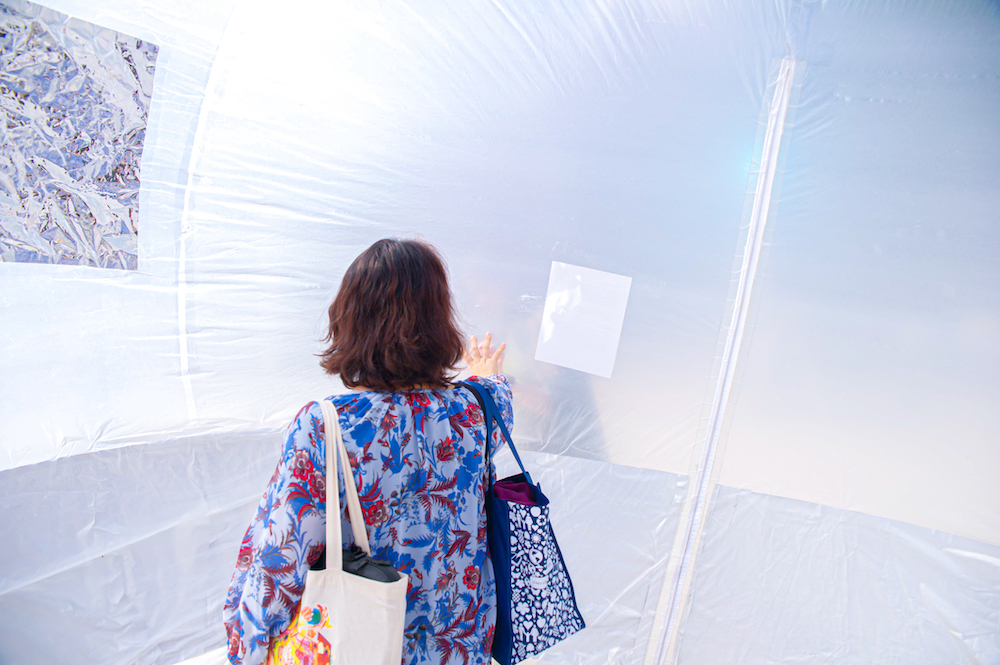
column 343, row 619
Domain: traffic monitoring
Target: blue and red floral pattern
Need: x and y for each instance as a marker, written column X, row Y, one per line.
column 418, row 460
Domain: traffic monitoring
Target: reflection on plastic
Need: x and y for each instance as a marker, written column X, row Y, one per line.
column 582, row 319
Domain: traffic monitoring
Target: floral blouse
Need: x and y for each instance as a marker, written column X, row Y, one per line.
column 418, row 462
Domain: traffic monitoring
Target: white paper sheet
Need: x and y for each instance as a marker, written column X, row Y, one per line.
column 582, row 319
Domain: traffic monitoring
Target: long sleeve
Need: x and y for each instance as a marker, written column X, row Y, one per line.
column 499, row 388
column 286, row 535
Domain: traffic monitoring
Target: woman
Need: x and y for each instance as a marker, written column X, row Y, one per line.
column 417, row 452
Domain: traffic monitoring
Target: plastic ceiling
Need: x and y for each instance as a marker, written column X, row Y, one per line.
column 795, row 457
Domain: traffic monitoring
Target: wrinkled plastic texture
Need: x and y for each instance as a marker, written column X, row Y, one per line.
column 125, row 554
column 141, row 410
column 74, row 101
column 785, row 581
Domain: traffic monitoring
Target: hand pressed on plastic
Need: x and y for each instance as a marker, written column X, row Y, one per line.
column 482, row 359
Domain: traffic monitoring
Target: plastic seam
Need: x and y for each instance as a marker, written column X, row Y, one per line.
column 196, row 147
column 693, row 519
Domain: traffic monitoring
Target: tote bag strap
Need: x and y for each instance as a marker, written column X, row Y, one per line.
column 491, row 414
column 488, row 438
column 335, row 442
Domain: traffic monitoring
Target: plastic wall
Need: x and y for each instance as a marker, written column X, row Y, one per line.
column 847, row 512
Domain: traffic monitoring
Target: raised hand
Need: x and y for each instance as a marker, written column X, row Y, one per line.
column 482, row 359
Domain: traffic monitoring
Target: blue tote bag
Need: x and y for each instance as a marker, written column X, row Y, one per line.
column 536, row 606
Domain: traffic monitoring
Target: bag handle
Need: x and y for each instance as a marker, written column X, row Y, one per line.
column 492, row 414
column 488, row 439
column 335, row 441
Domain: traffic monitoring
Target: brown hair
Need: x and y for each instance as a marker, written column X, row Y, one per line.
column 392, row 324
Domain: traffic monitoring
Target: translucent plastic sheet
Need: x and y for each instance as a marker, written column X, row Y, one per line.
column 141, row 410
column 146, row 578
column 784, row 581
column 267, row 189
column 872, row 382
column 124, row 556
column 506, row 164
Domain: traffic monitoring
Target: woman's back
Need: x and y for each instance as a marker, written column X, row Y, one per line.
column 421, row 473
column 418, row 458
column 418, row 461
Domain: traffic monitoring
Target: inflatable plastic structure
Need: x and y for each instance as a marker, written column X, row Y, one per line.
column 744, row 255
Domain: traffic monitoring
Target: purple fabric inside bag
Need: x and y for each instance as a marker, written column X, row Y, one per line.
column 515, row 492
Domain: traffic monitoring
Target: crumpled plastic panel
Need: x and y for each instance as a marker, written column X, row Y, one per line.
column 74, row 101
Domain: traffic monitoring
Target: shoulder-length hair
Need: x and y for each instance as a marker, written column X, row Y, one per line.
column 392, row 324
